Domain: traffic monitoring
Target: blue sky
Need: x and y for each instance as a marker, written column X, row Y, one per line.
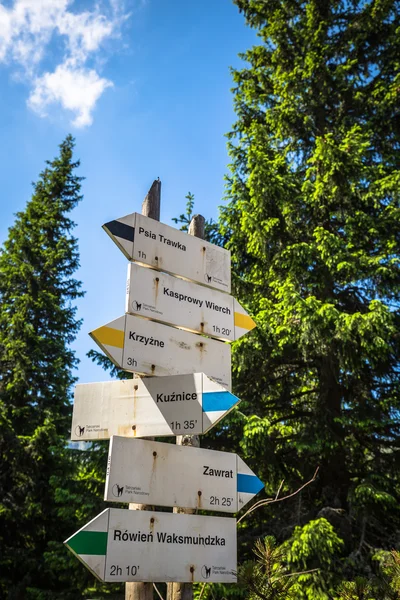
column 144, row 86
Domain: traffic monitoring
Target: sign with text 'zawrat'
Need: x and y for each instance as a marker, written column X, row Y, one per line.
column 152, row 243
column 167, row 475
column 159, row 406
column 185, row 304
column 141, row 346
column 132, row 545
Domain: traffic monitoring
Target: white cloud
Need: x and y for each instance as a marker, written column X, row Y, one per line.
column 27, row 29
column 77, row 89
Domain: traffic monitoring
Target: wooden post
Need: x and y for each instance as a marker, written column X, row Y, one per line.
column 150, row 208
column 184, row 591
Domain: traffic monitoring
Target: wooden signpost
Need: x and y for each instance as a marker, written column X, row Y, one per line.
column 179, row 321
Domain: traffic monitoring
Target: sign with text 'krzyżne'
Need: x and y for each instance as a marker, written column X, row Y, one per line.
column 132, row 545
column 185, row 304
column 141, row 346
column 151, row 406
column 144, row 471
column 152, row 243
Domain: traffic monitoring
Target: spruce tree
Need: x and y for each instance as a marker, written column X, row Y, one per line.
column 313, row 223
column 37, row 326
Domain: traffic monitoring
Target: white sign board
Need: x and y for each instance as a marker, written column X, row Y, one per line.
column 165, row 248
column 132, row 545
column 157, row 406
column 148, row 347
column 185, row 304
column 144, row 471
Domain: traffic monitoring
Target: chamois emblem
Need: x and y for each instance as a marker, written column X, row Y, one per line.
column 118, row 490
column 206, row 571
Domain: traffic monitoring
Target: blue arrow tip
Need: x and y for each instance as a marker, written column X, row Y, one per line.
column 249, row 484
column 218, row 401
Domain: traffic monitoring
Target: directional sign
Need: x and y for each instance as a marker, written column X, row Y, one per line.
column 167, row 475
column 133, row 545
column 182, row 303
column 150, row 406
column 165, row 248
column 147, row 347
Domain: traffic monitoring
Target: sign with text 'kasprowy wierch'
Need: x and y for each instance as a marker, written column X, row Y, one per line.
column 182, row 303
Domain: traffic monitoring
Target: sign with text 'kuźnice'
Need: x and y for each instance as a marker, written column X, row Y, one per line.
column 151, row 406
column 165, row 248
column 141, row 346
column 132, row 545
column 185, row 304
column 167, row 475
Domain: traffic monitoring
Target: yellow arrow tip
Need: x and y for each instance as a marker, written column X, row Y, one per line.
column 108, row 336
column 244, row 321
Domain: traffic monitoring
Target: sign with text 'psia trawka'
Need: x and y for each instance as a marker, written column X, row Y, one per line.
column 158, row 406
column 148, row 347
column 185, row 304
column 132, row 545
column 165, row 248
column 144, row 471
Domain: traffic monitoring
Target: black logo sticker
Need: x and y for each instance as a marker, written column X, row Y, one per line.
column 79, row 430
column 206, row 572
column 117, row 490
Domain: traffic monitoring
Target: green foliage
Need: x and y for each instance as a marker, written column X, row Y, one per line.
column 184, row 219
column 360, row 589
column 45, row 488
column 314, row 549
column 211, row 230
column 384, row 586
column 268, row 578
column 388, row 584
column 103, row 361
column 313, row 224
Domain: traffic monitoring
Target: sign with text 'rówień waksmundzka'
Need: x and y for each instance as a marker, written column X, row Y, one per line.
column 132, row 545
